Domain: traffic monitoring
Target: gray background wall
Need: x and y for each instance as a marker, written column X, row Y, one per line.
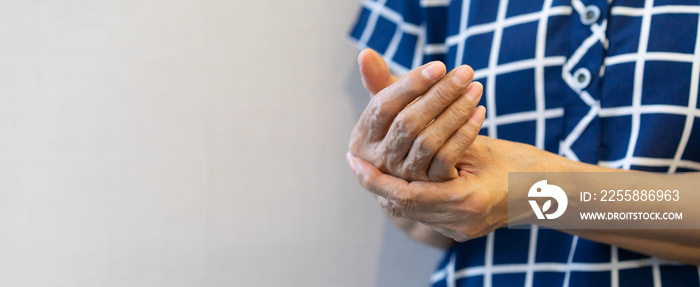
column 186, row 143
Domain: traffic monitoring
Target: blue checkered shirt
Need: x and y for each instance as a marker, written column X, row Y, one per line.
column 613, row 83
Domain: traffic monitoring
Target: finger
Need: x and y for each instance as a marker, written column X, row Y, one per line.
column 442, row 167
column 425, row 217
column 385, row 186
column 374, row 72
column 414, row 196
column 385, row 105
column 429, row 216
column 433, row 137
column 414, row 118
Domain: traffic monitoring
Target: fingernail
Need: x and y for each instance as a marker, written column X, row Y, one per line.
column 478, row 115
column 351, row 162
column 433, row 71
column 462, row 75
column 474, row 93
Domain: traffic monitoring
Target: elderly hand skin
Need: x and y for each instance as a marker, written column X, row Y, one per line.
column 469, row 206
column 471, row 199
column 418, row 126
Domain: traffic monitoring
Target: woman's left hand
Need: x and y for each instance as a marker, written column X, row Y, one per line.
column 469, row 206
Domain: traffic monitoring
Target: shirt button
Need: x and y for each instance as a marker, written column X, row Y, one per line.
column 590, row 15
column 582, row 77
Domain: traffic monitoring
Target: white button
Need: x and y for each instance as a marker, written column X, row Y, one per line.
column 590, row 15
column 582, row 78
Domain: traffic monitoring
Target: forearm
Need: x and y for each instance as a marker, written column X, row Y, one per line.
column 681, row 245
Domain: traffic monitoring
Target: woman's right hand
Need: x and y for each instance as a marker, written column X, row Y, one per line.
column 417, row 127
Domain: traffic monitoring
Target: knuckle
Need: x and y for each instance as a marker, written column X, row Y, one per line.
column 413, row 85
column 378, row 157
column 388, row 160
column 410, row 170
column 444, row 158
column 462, row 108
column 404, row 126
column 365, row 181
column 444, row 93
column 441, row 167
column 368, row 182
column 377, row 110
column 456, row 113
column 374, row 109
column 381, row 164
column 427, row 144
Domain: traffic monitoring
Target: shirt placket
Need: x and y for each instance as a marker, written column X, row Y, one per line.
column 582, row 72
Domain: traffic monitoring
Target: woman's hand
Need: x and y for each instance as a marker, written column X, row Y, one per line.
column 417, row 127
column 470, row 198
column 476, row 202
column 469, row 206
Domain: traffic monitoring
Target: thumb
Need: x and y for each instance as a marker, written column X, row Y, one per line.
column 374, row 71
column 373, row 180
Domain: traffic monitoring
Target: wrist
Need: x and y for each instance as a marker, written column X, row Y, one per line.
column 544, row 161
column 528, row 158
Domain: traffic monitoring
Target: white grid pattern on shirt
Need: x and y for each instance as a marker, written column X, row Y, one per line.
column 531, row 252
column 552, row 267
column 570, row 260
column 638, row 81
column 539, row 73
column 692, row 103
column 378, row 9
column 541, row 114
column 491, row 74
column 614, row 272
column 492, row 121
